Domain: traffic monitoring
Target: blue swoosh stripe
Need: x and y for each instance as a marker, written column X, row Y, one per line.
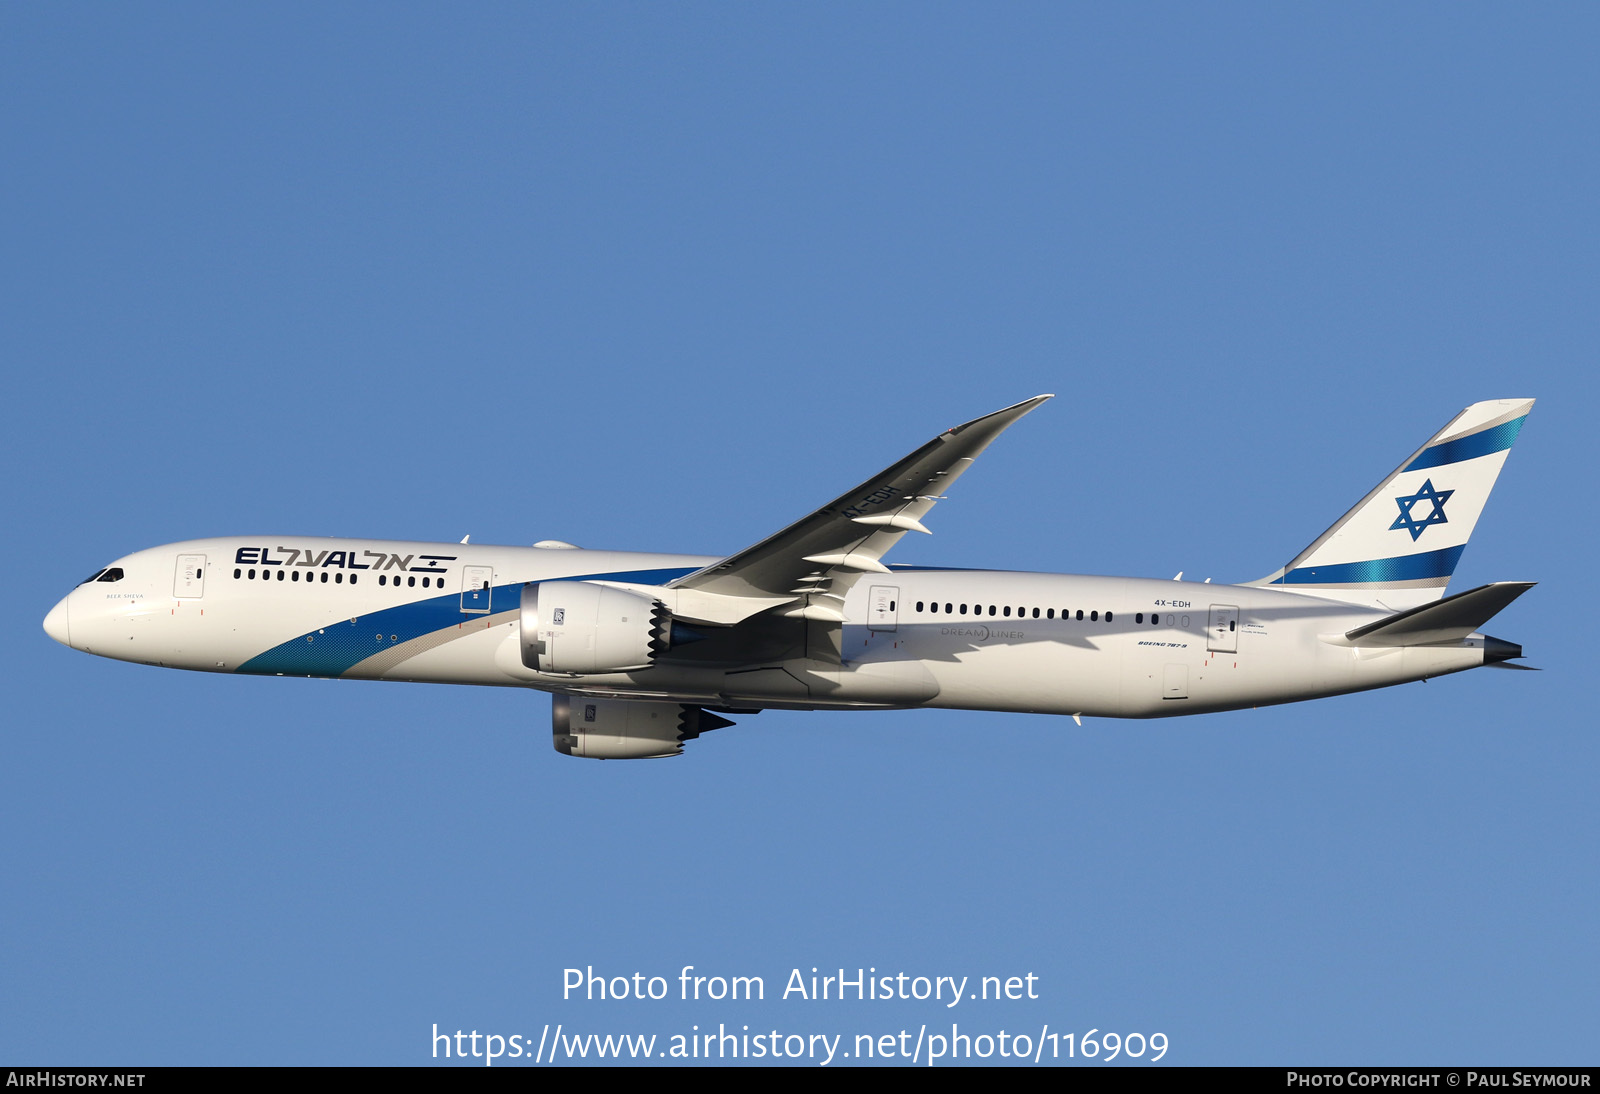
column 1498, row 439
column 1440, row 563
column 335, row 649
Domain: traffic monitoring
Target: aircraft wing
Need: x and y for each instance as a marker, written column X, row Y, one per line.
column 851, row 534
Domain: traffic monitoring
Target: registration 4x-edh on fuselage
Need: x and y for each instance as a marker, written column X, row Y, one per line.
column 646, row 651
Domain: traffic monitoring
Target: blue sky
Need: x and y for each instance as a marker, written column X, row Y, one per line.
column 668, row 277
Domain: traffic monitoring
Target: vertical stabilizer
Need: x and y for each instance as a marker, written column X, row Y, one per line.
column 1401, row 542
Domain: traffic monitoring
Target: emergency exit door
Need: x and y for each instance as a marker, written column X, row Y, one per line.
column 1222, row 635
column 475, row 588
column 883, row 607
column 189, row 583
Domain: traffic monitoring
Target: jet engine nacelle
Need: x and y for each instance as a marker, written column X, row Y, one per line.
column 580, row 627
column 617, row 729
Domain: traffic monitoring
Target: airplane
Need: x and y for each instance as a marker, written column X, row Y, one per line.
column 643, row 652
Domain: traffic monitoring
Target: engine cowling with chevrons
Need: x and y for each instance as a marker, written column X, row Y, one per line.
column 579, row 627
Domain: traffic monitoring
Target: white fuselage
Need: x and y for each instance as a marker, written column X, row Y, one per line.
column 1045, row 643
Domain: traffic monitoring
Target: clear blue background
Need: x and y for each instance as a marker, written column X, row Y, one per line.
column 666, row 277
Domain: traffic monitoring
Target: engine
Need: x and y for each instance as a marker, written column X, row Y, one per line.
column 618, row 729
column 580, row 627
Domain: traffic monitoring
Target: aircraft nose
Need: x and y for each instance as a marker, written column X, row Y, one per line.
column 55, row 624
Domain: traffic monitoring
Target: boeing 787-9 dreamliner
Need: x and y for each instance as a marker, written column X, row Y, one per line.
column 643, row 652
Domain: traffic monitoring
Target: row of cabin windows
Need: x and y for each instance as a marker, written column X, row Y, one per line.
column 293, row 575
column 1005, row 610
column 338, row 577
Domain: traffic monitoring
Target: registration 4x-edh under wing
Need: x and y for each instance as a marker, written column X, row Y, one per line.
column 643, row 652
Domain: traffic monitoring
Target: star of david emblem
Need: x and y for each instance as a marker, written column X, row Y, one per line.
column 1408, row 520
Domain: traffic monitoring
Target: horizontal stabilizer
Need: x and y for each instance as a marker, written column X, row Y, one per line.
column 1448, row 620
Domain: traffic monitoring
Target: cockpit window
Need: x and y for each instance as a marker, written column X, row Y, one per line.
column 92, row 577
column 113, row 574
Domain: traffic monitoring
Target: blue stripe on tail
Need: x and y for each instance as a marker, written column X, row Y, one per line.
column 1440, row 563
column 1490, row 441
